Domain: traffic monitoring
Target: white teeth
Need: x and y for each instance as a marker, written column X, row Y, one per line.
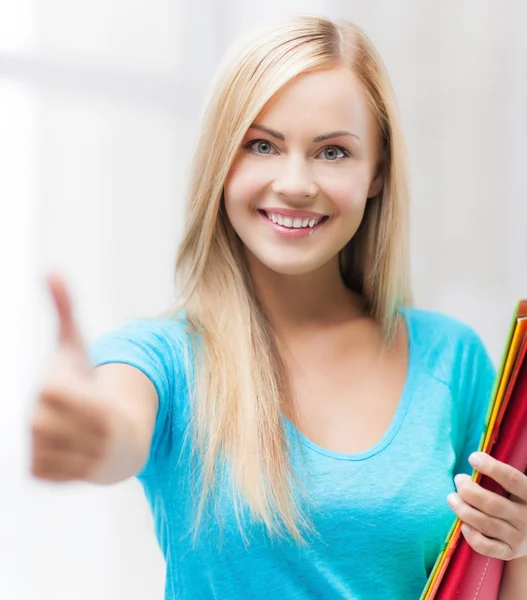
column 296, row 223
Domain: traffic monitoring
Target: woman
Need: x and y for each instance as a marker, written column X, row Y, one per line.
column 296, row 425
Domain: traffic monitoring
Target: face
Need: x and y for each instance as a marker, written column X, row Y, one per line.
column 298, row 188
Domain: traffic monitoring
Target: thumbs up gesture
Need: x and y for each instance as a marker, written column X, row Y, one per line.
column 70, row 424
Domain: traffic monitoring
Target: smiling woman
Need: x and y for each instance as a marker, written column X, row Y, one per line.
column 296, row 424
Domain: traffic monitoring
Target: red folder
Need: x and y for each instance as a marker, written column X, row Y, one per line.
column 460, row 572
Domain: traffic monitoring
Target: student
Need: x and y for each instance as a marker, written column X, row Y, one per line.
column 295, row 423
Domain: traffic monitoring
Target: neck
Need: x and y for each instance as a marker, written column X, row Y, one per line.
column 318, row 298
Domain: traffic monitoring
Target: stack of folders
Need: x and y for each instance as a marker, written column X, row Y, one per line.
column 460, row 573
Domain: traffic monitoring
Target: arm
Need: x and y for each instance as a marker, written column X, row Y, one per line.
column 134, row 402
column 89, row 424
column 514, row 581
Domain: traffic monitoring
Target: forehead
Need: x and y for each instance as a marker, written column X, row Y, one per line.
column 328, row 99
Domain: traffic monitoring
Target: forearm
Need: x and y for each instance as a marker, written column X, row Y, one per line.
column 514, row 581
column 125, row 452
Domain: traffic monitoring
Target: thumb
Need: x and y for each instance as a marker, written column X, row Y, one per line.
column 69, row 333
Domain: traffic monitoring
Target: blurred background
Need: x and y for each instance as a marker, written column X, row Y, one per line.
column 99, row 105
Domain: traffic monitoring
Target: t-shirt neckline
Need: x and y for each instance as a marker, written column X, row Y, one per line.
column 397, row 420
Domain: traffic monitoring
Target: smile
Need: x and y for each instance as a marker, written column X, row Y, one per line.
column 293, row 225
column 295, row 222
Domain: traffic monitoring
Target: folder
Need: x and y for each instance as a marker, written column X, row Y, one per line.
column 460, row 572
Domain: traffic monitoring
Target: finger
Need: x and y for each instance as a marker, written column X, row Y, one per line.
column 491, row 527
column 78, row 408
column 488, row 502
column 53, row 465
column 485, row 546
column 52, row 433
column 512, row 480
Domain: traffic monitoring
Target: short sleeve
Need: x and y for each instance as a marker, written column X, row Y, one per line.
column 147, row 345
column 477, row 376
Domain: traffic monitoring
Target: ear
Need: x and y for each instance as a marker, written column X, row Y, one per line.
column 378, row 181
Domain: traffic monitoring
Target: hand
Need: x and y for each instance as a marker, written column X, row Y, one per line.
column 70, row 428
column 493, row 525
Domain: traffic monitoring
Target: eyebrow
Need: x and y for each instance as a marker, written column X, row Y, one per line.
column 319, row 138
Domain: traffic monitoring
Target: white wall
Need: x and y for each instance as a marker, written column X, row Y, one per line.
column 98, row 109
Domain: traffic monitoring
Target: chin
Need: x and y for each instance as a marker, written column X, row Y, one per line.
column 291, row 267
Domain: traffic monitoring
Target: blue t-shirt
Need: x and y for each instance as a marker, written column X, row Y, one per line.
column 381, row 516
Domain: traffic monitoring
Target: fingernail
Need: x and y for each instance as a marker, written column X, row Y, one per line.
column 475, row 460
column 452, row 500
column 465, row 528
column 458, row 479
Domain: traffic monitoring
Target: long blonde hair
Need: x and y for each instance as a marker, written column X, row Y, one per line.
column 240, row 389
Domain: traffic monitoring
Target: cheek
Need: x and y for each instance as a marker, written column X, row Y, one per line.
column 244, row 185
column 347, row 193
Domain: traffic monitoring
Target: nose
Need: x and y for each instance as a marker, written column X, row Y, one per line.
column 295, row 181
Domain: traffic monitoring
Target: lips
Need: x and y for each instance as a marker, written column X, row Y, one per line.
column 290, row 212
column 293, row 227
column 293, row 219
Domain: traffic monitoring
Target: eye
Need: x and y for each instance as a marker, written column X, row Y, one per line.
column 333, row 153
column 260, row 147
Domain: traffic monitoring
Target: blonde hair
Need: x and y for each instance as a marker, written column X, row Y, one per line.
column 240, row 389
